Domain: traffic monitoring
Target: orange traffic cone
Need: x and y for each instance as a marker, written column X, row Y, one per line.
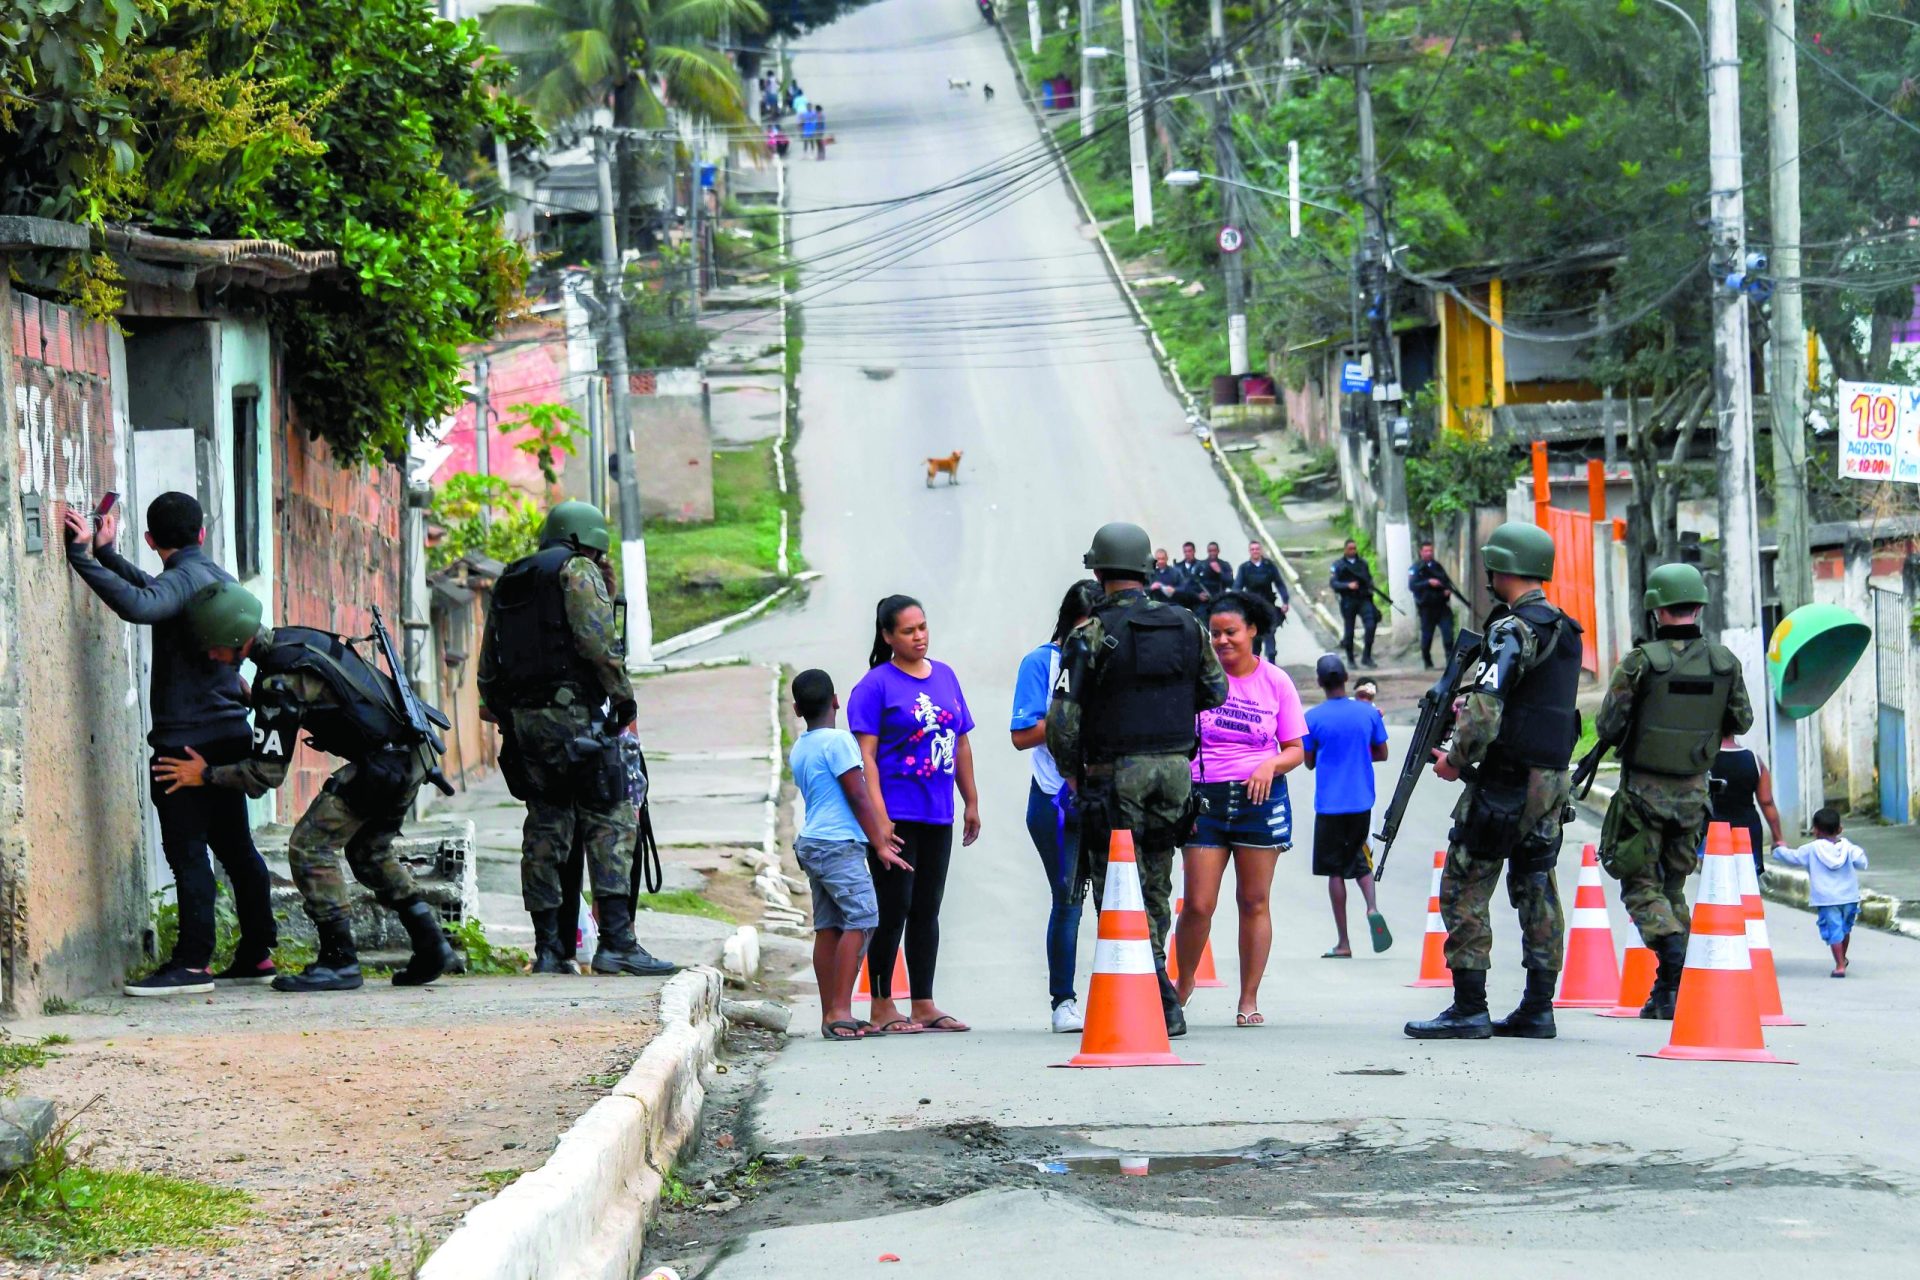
column 1591, row 979
column 1207, row 977
column 1433, row 948
column 864, row 987
column 1717, row 1019
column 1766, row 982
column 1125, row 1026
column 1636, row 983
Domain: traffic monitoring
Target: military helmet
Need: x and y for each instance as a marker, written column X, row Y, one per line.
column 578, row 523
column 1523, row 550
column 1122, row 548
column 1673, row 585
column 223, row 615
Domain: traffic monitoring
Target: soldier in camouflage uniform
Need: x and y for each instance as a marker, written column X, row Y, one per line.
column 1669, row 704
column 314, row 681
column 1513, row 738
column 1121, row 727
column 552, row 674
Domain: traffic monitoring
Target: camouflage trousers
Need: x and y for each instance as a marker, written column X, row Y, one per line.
column 1665, row 833
column 1468, row 878
column 556, row 822
column 347, row 816
column 1146, row 795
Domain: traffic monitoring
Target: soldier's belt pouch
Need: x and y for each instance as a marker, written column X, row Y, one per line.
column 1624, row 845
column 513, row 769
column 378, row 784
column 1491, row 827
column 597, row 771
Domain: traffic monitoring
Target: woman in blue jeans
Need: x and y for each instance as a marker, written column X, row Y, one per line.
column 1052, row 819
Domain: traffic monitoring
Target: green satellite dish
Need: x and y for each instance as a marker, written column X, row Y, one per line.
column 1812, row 651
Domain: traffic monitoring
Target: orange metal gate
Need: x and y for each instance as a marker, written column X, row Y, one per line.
column 1572, row 589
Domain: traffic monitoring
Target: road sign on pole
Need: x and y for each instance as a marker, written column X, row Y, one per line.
column 1353, row 377
column 1231, row 239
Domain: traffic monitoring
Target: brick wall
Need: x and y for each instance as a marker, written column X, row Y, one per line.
column 337, row 553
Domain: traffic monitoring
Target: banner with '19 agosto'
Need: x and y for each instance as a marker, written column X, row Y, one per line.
column 1879, row 431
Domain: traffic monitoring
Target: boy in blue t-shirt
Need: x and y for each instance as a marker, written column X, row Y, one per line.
column 1345, row 736
column 832, row 849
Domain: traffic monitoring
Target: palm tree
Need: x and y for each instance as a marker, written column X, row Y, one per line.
column 635, row 56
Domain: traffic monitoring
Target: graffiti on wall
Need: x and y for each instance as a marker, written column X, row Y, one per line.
column 62, row 410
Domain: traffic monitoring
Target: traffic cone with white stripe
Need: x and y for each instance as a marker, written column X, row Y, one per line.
column 1766, row 982
column 1125, row 1026
column 1716, row 1019
column 899, row 986
column 1433, row 947
column 1636, row 983
column 1591, row 978
column 1205, row 975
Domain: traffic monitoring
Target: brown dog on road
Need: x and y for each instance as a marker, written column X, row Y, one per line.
column 949, row 464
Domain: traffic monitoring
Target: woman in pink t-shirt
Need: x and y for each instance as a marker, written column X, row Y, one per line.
column 1247, row 746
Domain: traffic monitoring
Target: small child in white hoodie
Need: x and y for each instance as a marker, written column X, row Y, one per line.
column 1832, row 862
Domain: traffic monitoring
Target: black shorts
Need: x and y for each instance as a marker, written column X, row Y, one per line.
column 1340, row 845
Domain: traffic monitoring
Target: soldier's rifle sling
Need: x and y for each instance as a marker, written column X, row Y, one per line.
column 1436, row 719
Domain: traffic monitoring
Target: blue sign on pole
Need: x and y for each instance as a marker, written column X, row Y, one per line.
column 707, row 175
column 1353, row 377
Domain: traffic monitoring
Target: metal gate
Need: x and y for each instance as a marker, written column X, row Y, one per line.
column 1890, row 692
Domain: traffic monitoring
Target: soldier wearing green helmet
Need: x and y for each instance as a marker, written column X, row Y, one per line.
column 1121, row 726
column 553, row 676
column 1513, row 737
column 314, row 682
column 1669, row 703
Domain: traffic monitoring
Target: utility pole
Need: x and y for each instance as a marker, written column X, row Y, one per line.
column 1136, row 117
column 1374, row 281
column 1732, row 384
column 1033, row 26
column 1787, row 390
column 1086, row 69
column 482, row 431
column 696, row 207
column 1225, row 160
column 633, row 549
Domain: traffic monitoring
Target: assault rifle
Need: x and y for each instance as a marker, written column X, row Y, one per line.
column 1436, row 722
column 425, row 721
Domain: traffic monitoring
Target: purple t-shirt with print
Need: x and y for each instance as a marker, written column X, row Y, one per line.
column 918, row 723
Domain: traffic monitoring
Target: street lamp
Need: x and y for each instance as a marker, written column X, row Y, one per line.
column 1193, row 178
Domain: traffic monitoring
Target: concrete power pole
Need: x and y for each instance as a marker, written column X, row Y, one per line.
column 1136, row 117
column 1732, row 384
column 1373, row 280
column 1793, row 562
column 1086, row 69
column 1238, row 361
column 633, row 549
column 1033, row 26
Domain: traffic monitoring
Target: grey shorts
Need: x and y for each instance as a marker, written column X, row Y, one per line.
column 842, row 886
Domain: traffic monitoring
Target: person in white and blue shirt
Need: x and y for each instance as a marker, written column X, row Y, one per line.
column 1052, row 819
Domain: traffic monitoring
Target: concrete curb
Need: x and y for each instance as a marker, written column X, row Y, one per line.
column 583, row 1214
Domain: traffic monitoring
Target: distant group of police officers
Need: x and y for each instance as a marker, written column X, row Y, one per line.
column 1134, row 677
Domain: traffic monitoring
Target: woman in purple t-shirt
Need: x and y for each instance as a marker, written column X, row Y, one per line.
column 1247, row 746
column 911, row 721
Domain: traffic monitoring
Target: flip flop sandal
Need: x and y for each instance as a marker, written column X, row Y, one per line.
column 1331, row 954
column 898, row 1027
column 841, row 1031
column 945, row 1022
column 1254, row 1019
column 1382, row 936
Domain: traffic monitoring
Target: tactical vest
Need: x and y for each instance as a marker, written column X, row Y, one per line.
column 1680, row 708
column 534, row 654
column 1540, row 724
column 1142, row 698
column 365, row 717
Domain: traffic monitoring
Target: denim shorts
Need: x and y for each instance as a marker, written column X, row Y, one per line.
column 842, row 886
column 1836, row 922
column 1228, row 819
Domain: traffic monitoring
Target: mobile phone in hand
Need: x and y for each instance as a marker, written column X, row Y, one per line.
column 107, row 503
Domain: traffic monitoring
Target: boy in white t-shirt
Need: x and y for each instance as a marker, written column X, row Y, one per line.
column 831, row 848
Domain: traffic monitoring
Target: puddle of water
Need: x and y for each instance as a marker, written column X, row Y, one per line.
column 1135, row 1165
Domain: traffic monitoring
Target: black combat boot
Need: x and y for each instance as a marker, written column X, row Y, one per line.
column 1533, row 1020
column 1464, row 1019
column 1170, row 1009
column 1666, row 979
column 433, row 955
column 619, row 951
column 336, row 968
column 547, row 955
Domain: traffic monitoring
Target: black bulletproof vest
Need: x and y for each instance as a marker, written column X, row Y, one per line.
column 365, row 717
column 534, row 653
column 1540, row 724
column 1142, row 698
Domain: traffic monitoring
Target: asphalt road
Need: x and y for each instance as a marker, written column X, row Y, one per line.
column 1494, row 1158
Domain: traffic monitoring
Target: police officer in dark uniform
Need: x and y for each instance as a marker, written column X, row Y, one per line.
column 553, row 676
column 1351, row 580
column 1433, row 599
column 1514, row 731
column 1121, row 727
column 314, row 681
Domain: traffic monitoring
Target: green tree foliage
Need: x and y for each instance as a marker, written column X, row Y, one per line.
column 484, row 514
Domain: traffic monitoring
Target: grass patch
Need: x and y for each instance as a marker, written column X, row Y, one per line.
column 290, row 956
column 1270, row 490
column 683, row 902
column 18, row 1055
column 699, row 572
column 677, row 1193
column 494, row 1181
column 485, row 959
